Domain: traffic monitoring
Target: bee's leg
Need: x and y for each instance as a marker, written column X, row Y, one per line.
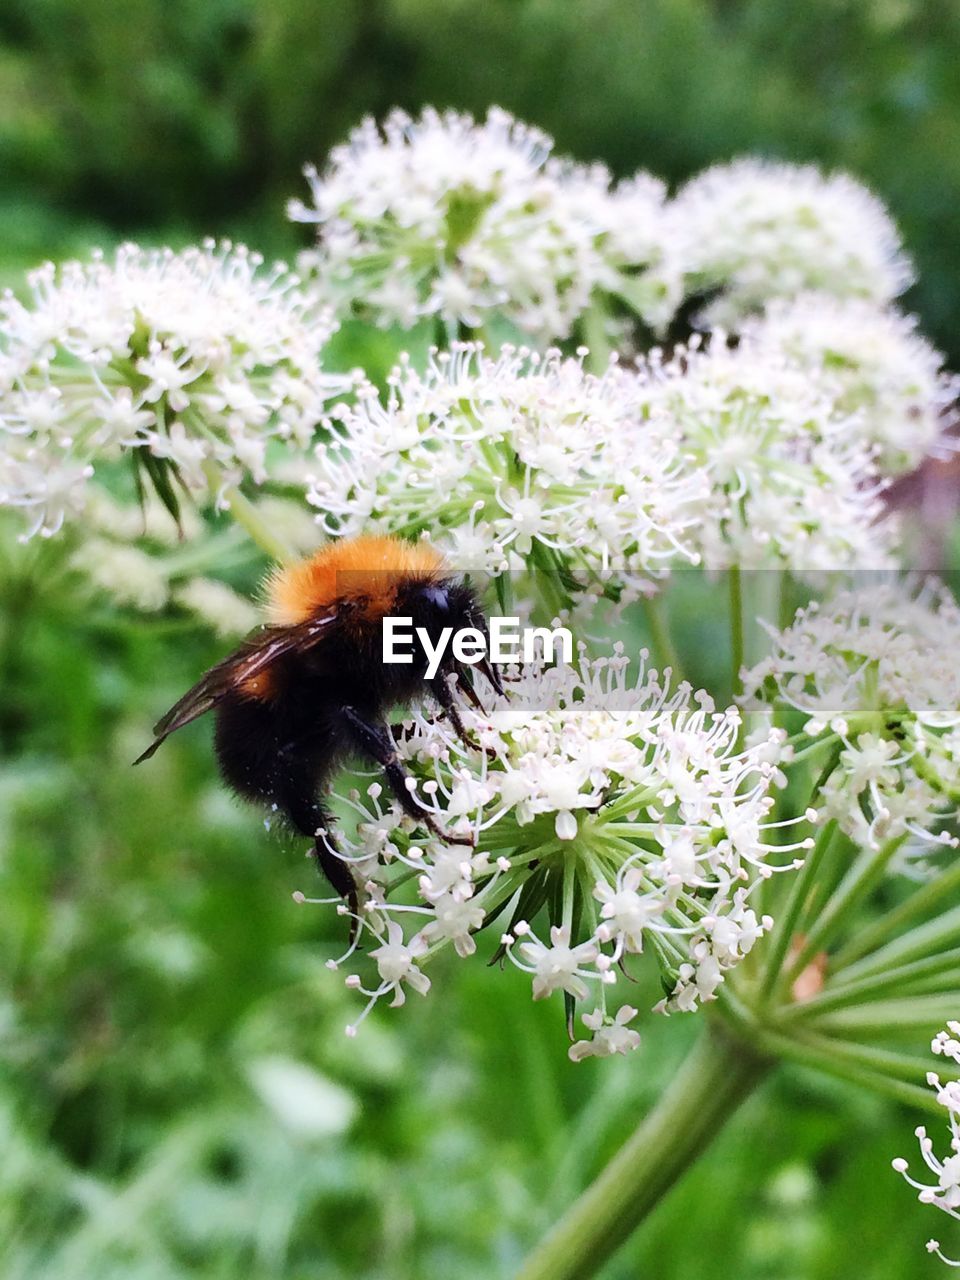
column 310, row 818
column 376, row 742
column 447, row 699
column 340, row 876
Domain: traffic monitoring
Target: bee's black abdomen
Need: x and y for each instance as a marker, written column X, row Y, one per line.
column 246, row 747
column 261, row 761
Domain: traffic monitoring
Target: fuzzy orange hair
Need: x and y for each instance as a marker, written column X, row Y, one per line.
column 368, row 569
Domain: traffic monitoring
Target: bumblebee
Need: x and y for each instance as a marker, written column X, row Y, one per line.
column 310, row 689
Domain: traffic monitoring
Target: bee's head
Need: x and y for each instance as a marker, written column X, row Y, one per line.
column 440, row 603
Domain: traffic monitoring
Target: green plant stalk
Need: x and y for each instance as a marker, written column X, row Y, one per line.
column 595, row 338
column 716, row 1077
column 887, row 1062
column 893, row 922
column 854, row 1071
column 924, row 940
column 840, row 995
column 944, row 980
column 913, row 1016
column 879, row 1070
column 249, row 518
column 724, row 1067
column 663, row 645
column 865, row 874
column 735, row 585
column 230, row 545
column 814, row 748
column 481, row 333
column 787, row 923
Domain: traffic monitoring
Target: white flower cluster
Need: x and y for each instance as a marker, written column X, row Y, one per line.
column 136, row 557
column 193, row 359
column 874, row 363
column 622, row 813
column 876, row 674
column 718, row 456
column 944, row 1192
column 789, row 482
column 522, row 461
column 756, row 230
column 442, row 216
column 445, row 217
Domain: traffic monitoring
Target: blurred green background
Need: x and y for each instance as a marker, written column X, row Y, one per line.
column 177, row 1098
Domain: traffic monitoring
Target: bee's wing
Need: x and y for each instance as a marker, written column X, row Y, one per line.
column 255, row 655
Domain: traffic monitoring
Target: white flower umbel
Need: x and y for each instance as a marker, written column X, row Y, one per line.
column 133, row 556
column 604, row 817
column 442, row 216
column 875, row 365
column 519, row 462
column 192, row 359
column 755, row 230
column 790, row 484
column 610, row 1035
column 944, row 1191
column 875, row 674
column 224, row 610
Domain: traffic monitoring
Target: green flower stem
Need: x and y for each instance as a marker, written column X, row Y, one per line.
column 223, row 548
column 716, row 1077
column 892, row 923
column 767, row 591
column 912, row 1016
column 939, row 983
column 877, row 1070
column 884, row 1061
column 814, row 748
column 925, row 940
column 831, row 1063
column 839, row 996
column 865, row 874
column 663, row 645
column 803, row 883
column 786, row 609
column 735, row 585
column 249, row 518
column 595, row 338
column 481, row 333
column 724, row 1067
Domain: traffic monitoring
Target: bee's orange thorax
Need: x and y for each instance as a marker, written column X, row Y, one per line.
column 365, row 570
